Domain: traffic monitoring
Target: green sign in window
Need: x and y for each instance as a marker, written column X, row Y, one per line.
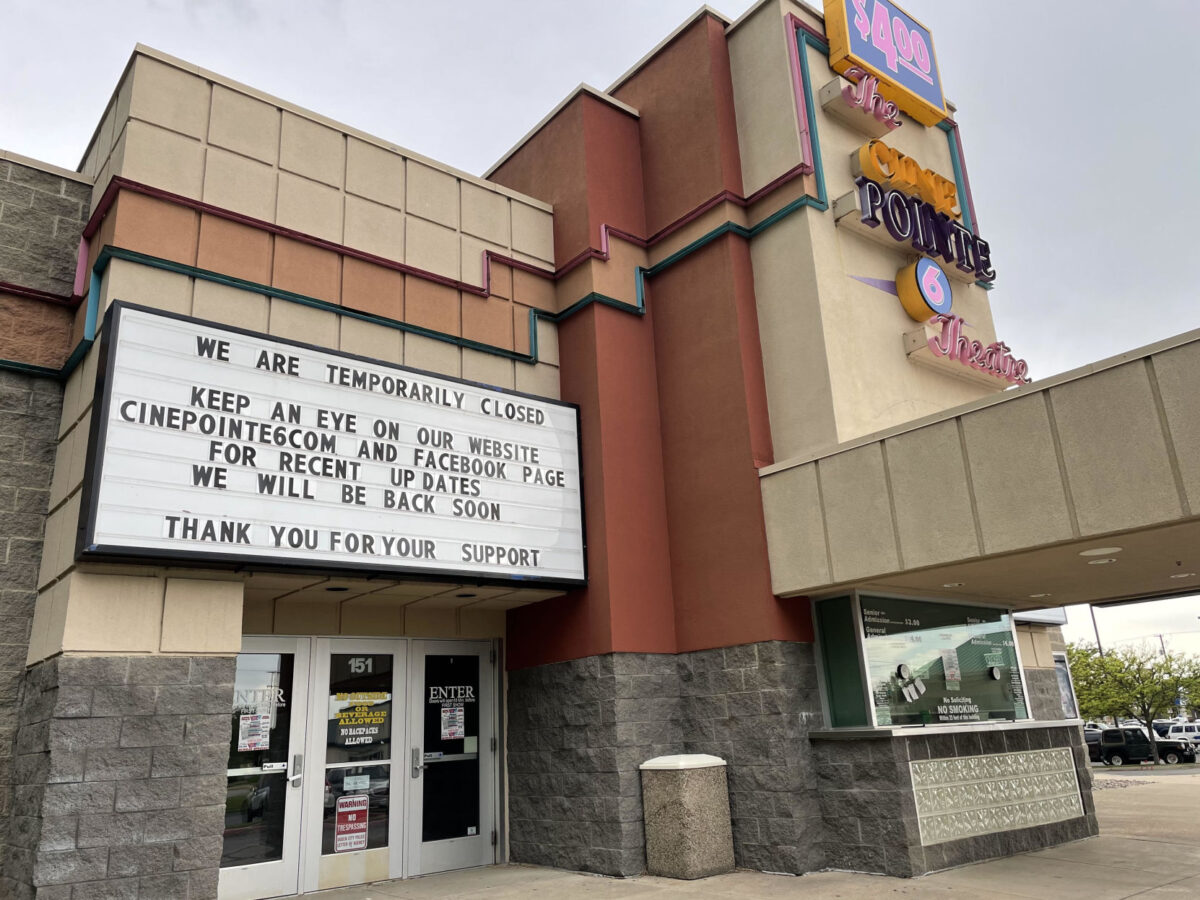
column 939, row 663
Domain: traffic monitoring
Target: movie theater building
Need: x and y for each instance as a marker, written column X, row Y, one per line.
column 364, row 518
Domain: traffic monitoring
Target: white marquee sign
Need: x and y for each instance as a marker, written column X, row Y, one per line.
column 219, row 444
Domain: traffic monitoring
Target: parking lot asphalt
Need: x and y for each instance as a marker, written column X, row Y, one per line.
column 1146, row 848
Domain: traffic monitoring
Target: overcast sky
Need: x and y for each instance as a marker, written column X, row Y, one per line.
column 1079, row 123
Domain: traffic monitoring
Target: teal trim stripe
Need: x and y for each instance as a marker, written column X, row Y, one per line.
column 803, row 40
column 13, row 365
column 961, row 183
column 956, row 162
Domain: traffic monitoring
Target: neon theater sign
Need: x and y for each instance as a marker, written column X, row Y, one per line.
column 917, row 206
column 994, row 359
column 923, row 288
column 864, row 94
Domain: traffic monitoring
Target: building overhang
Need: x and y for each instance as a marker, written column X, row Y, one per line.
column 1017, row 499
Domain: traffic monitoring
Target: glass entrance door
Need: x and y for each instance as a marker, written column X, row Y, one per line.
column 261, row 851
column 355, row 760
column 355, row 832
column 451, row 766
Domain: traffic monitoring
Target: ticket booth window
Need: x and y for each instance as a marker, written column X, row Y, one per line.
column 891, row 661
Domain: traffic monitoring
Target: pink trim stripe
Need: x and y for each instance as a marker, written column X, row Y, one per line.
column 962, row 166
column 806, row 148
column 726, row 196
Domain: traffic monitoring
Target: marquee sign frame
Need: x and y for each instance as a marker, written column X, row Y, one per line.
column 527, row 451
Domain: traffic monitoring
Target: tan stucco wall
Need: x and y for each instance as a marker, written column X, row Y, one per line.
column 386, row 614
column 792, row 334
column 763, row 99
column 129, row 611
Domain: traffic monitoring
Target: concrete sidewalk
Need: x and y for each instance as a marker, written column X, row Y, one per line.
column 1146, row 847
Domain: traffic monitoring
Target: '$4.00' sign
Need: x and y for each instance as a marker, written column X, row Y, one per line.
column 886, row 41
column 891, row 36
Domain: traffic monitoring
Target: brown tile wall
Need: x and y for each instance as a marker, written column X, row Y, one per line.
column 171, row 230
column 34, row 331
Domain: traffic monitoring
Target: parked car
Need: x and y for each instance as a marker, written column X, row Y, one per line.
column 1091, row 737
column 1125, row 745
column 1184, row 731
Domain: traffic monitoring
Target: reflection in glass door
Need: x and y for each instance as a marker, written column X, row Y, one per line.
column 261, row 849
column 354, row 837
column 452, row 765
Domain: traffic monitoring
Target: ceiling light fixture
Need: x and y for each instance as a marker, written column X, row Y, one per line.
column 954, row 584
column 1101, row 551
column 1039, row 596
column 1101, row 562
column 1184, row 575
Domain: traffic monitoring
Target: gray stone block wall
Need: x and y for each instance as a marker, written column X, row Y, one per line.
column 1045, row 702
column 870, row 815
column 29, row 414
column 578, row 730
column 120, row 770
column 867, row 805
column 753, row 706
column 41, row 219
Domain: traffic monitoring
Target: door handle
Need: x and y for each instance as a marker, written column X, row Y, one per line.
column 417, row 762
column 297, row 775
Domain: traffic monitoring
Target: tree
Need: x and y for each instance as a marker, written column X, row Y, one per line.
column 1088, row 674
column 1191, row 693
column 1132, row 682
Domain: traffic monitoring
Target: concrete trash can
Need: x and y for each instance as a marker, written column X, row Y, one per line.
column 685, row 801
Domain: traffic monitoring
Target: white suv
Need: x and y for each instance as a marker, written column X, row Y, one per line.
column 1185, row 731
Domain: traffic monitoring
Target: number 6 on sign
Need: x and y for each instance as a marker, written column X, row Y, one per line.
column 923, row 290
column 933, row 285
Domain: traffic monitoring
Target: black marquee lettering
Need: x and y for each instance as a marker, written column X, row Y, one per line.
column 212, row 348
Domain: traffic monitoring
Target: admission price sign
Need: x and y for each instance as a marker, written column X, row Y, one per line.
column 940, row 662
column 879, row 37
column 220, row 444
